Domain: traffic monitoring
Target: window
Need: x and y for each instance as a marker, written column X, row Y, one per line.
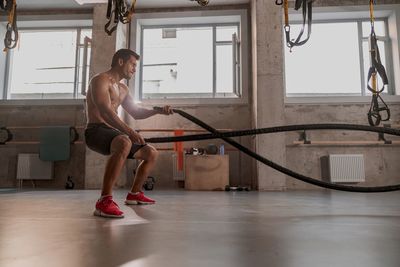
column 190, row 61
column 191, row 58
column 49, row 64
column 335, row 61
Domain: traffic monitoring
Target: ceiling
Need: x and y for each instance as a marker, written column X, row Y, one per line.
column 72, row 4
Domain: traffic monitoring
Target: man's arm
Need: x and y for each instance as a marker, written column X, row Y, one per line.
column 139, row 113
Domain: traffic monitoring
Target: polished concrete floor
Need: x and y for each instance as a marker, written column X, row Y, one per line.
column 207, row 229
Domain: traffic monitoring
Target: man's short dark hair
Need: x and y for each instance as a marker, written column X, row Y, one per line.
column 123, row 54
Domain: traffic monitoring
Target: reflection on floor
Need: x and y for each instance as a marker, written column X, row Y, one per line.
column 57, row 228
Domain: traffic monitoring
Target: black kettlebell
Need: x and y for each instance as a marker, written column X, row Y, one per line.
column 69, row 184
column 212, row 149
column 149, row 184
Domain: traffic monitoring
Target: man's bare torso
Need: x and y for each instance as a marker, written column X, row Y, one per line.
column 116, row 92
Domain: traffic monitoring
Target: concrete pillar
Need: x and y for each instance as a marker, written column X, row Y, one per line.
column 268, row 89
column 103, row 45
column 103, row 48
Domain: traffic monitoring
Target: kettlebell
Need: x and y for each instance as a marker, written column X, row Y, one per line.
column 69, row 184
column 212, row 149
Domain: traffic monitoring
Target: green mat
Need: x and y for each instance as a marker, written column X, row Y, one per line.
column 54, row 143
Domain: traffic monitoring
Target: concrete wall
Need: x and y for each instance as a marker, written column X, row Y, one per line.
column 267, row 108
column 381, row 161
column 33, row 113
column 27, row 116
column 268, row 89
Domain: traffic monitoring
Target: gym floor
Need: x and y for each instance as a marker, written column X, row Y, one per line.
column 301, row 228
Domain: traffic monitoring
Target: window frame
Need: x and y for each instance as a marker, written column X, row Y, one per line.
column 216, row 43
column 79, row 45
column 184, row 18
column 45, row 21
column 357, row 15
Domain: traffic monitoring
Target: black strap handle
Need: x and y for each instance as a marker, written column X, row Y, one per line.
column 377, row 112
column 376, row 64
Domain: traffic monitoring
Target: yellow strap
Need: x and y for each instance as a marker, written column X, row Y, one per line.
column 286, row 8
column 11, row 15
column 374, row 83
column 131, row 10
column 12, row 12
column 371, row 10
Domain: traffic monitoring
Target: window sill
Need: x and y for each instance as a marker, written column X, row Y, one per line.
column 195, row 101
column 42, row 102
column 317, row 100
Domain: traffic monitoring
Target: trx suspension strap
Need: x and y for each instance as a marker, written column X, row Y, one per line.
column 306, row 6
column 6, row 5
column 376, row 69
column 118, row 11
column 202, row 2
column 11, row 38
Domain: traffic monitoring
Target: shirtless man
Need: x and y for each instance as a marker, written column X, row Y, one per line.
column 107, row 134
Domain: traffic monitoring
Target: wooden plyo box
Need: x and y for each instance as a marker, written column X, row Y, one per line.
column 206, row 172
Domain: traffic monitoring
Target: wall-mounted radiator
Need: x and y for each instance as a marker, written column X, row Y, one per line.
column 345, row 168
column 30, row 167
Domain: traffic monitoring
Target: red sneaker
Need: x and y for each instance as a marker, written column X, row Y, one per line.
column 139, row 198
column 106, row 207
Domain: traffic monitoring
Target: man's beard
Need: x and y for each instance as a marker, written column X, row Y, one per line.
column 128, row 77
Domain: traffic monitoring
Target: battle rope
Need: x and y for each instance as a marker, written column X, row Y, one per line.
column 377, row 68
column 118, row 11
column 226, row 137
column 306, row 6
column 11, row 37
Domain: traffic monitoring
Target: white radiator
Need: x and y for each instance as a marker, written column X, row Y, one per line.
column 30, row 167
column 177, row 175
column 346, row 168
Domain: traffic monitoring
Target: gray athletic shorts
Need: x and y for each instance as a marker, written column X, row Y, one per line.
column 98, row 137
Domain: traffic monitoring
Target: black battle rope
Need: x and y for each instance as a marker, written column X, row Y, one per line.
column 225, row 136
column 11, row 37
column 377, row 68
column 306, row 6
column 118, row 11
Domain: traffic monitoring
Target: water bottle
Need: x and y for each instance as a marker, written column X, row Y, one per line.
column 222, row 149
